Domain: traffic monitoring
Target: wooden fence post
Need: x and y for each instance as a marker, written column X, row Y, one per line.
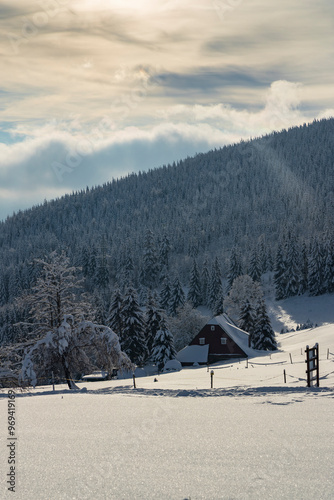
column 134, row 381
column 212, row 373
column 284, row 376
column 312, row 364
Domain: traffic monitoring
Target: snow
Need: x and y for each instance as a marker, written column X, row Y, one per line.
column 251, row 437
column 172, row 365
column 193, row 354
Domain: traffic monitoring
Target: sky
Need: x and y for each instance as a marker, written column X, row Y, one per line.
column 91, row 90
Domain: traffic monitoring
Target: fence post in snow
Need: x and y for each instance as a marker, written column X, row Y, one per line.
column 284, row 376
column 134, row 381
column 53, row 381
column 290, row 358
column 328, row 353
column 312, row 364
column 212, row 372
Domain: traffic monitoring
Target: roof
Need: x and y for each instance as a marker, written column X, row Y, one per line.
column 240, row 337
column 193, row 354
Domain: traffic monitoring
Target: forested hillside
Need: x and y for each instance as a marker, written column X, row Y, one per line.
column 261, row 205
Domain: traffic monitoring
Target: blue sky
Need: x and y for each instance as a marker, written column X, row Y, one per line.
column 92, row 90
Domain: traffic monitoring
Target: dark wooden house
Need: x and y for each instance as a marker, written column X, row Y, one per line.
column 219, row 339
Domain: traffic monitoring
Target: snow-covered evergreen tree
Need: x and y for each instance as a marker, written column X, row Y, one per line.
column 215, row 285
column 254, row 270
column 177, row 298
column 219, row 304
column 194, row 293
column 164, row 251
column 303, row 269
column 280, row 274
column 205, row 280
column 150, row 261
column 133, row 335
column 292, row 273
column 154, row 317
column 316, row 268
column 263, row 336
column 235, row 269
column 247, row 317
column 163, row 346
column 165, row 295
column 115, row 317
column 328, row 271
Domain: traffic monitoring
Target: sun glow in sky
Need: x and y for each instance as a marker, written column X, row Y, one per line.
column 107, row 87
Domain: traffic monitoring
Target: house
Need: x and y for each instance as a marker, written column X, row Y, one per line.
column 219, row 339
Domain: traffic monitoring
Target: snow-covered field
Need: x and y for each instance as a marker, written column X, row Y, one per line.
column 250, row 437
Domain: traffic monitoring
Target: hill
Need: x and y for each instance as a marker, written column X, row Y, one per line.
column 251, row 197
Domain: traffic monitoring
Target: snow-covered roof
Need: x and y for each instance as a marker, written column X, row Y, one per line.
column 240, row 337
column 172, row 365
column 193, row 354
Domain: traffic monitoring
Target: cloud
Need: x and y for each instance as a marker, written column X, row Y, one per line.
column 65, row 156
column 107, row 87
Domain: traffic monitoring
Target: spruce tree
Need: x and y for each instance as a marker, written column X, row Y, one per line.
column 292, row 271
column 165, row 295
column 235, row 269
column 315, row 270
column 164, row 250
column 163, row 346
column 153, row 319
column 328, row 271
column 115, row 317
column 303, row 269
column 218, row 308
column 177, row 297
column 150, row 267
column 247, row 317
column 133, row 337
column 263, row 336
column 194, row 293
column 205, row 280
column 215, row 285
column 255, row 267
column 279, row 274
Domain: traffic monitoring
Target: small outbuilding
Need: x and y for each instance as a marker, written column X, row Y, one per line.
column 218, row 340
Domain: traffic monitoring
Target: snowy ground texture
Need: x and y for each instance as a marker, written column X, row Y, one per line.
column 251, row 437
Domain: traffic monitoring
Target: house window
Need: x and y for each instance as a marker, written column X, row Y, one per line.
column 202, row 341
column 213, row 328
column 223, row 340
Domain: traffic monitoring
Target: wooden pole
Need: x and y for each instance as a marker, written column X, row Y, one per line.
column 317, row 355
column 134, row 381
column 53, row 381
column 328, row 353
column 308, row 364
column 290, row 358
column 284, row 374
column 212, row 372
column 246, row 362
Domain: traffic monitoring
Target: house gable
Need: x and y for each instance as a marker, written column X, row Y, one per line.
column 223, row 341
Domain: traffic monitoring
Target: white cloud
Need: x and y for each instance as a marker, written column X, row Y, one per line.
column 65, row 156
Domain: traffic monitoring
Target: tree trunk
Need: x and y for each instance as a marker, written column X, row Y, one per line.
column 70, row 382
